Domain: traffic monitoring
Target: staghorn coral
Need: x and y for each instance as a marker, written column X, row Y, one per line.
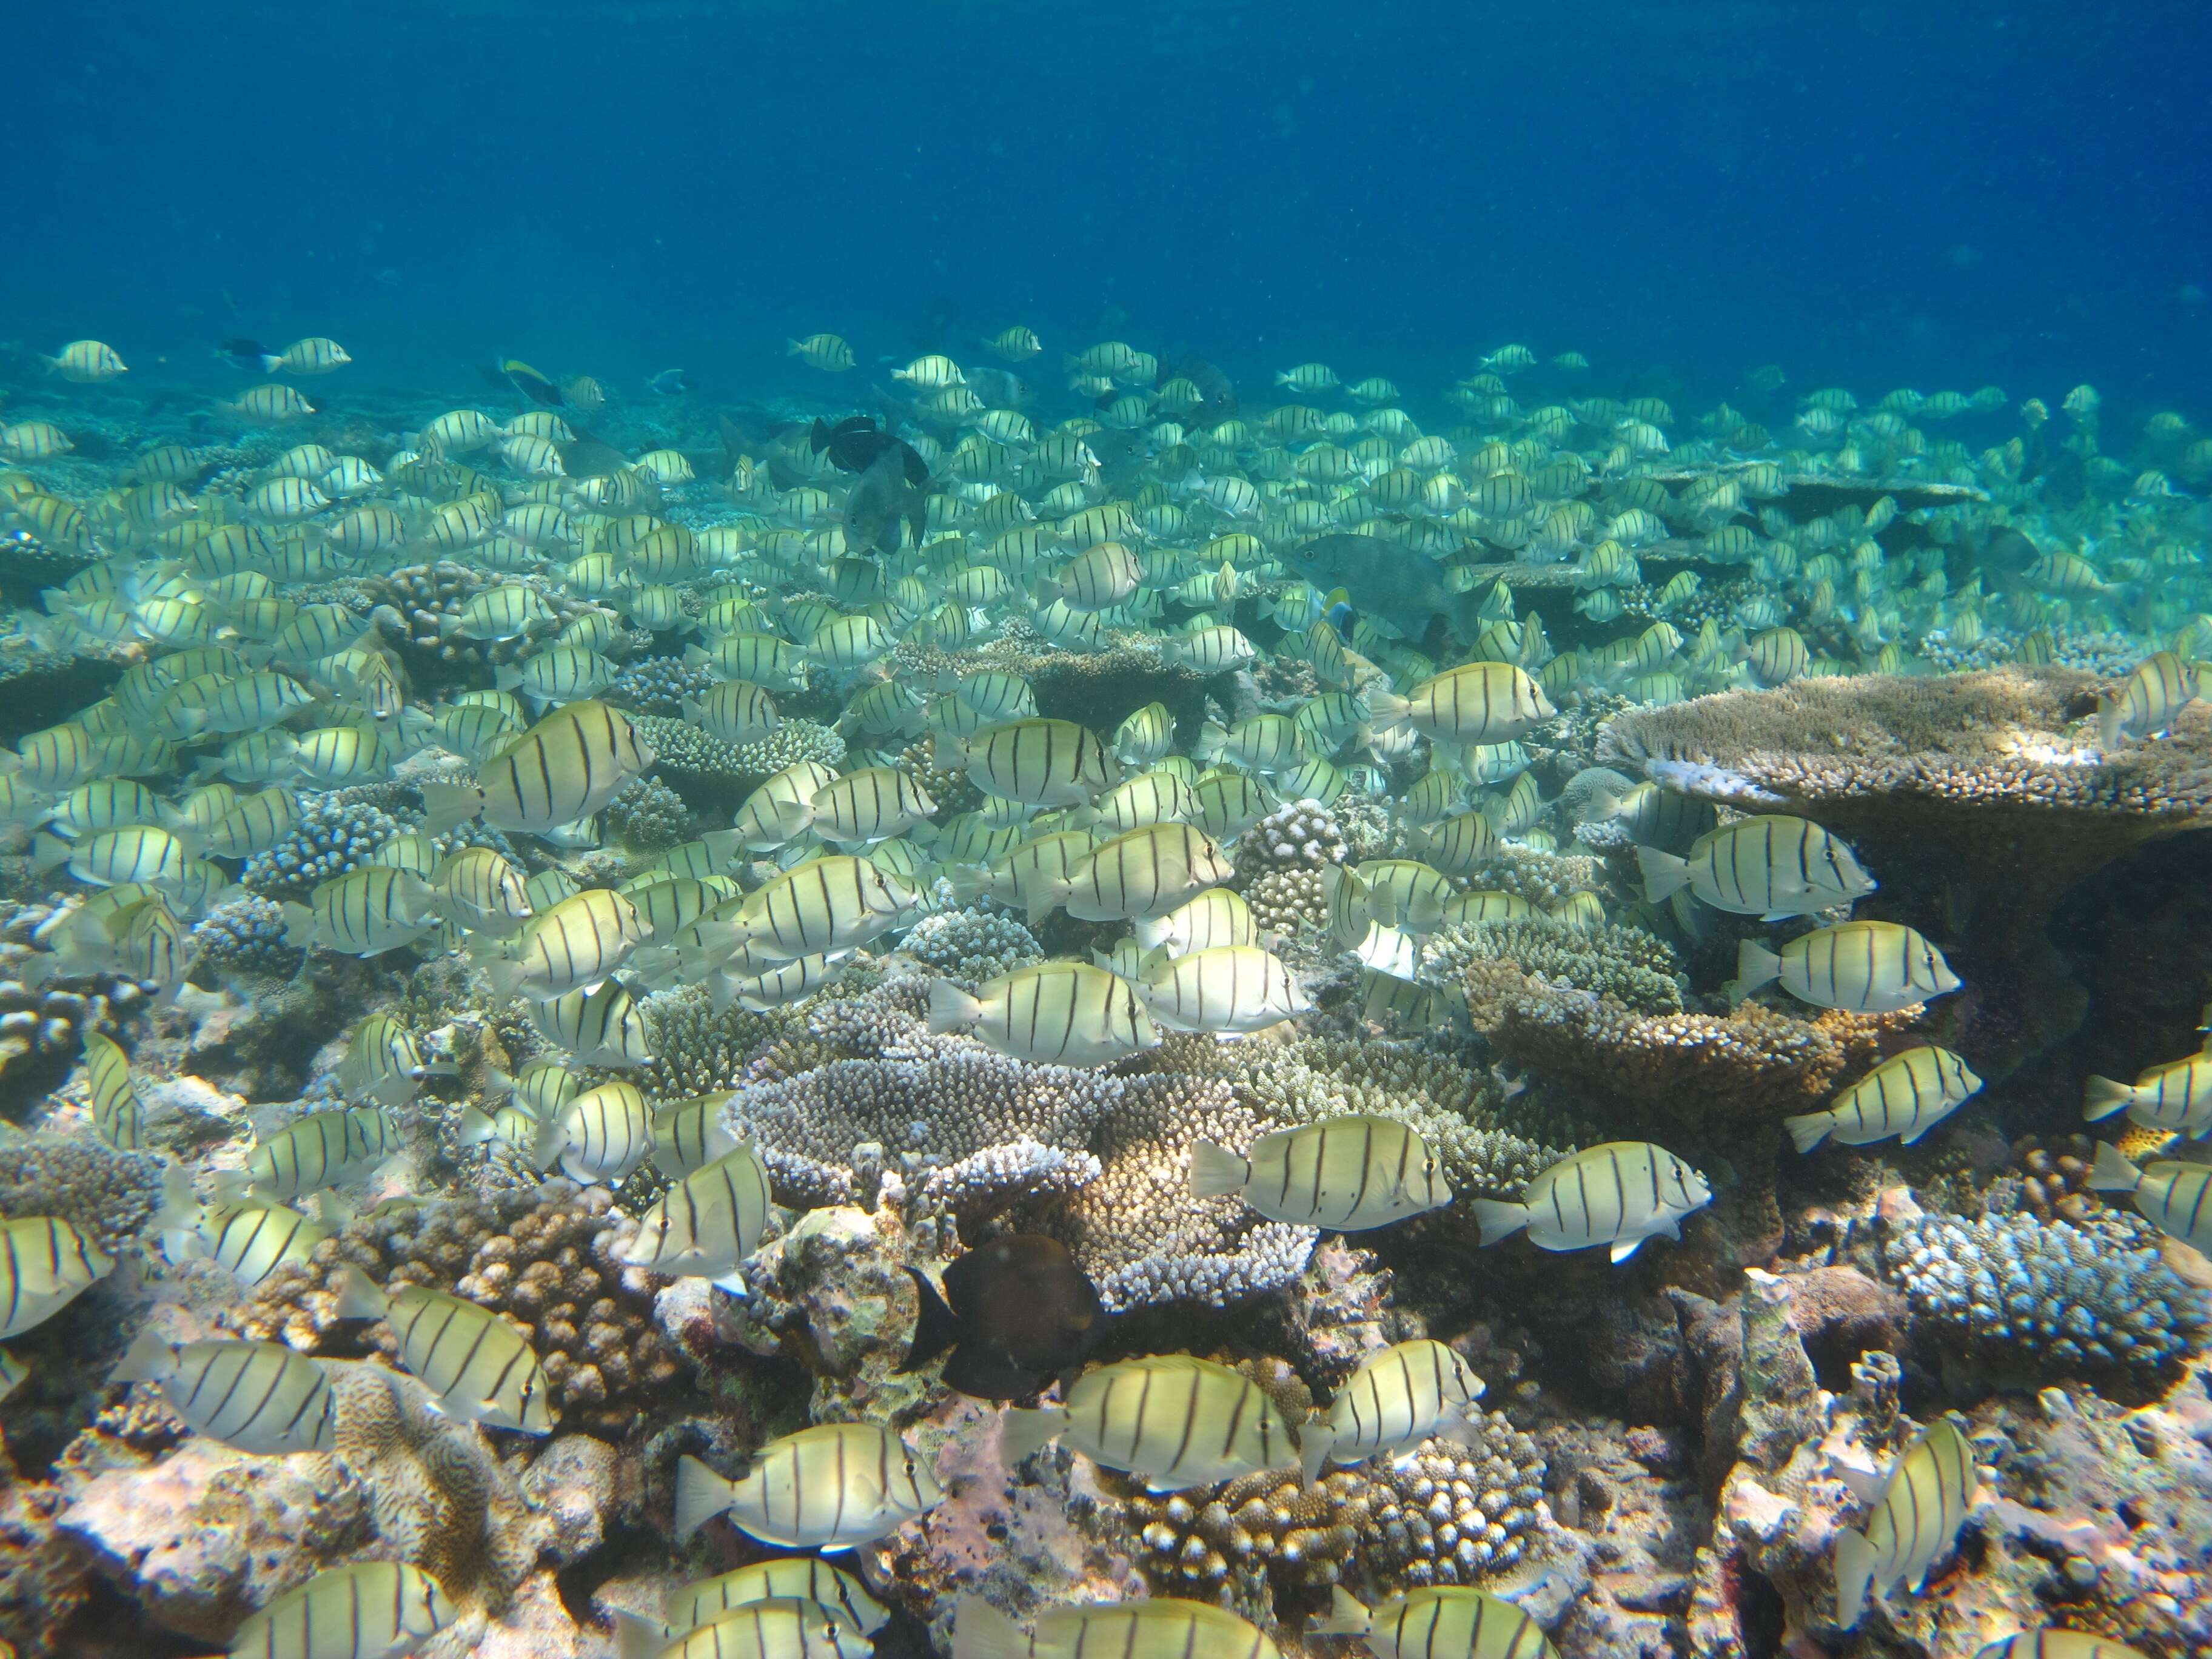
column 242, row 938
column 2017, row 1295
column 544, row 1258
column 1625, row 965
column 1442, row 1514
column 971, row 945
column 107, row 1195
column 1978, row 799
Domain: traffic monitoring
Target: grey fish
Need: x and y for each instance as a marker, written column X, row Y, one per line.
column 881, row 503
column 1394, row 583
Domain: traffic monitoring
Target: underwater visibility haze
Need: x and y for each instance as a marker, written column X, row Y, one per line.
column 1243, row 832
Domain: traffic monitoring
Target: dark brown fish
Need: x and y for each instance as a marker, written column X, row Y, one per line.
column 1016, row 1313
column 532, row 385
column 884, row 499
column 588, row 458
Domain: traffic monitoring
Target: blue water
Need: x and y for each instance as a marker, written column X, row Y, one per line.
column 1923, row 194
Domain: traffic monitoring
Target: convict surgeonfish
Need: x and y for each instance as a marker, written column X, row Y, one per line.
column 688, row 1134
column 828, row 1487
column 1042, row 763
column 574, row 944
column 565, row 767
column 1228, row 989
column 1174, row 1420
column 1057, row 1013
column 807, row 1576
column 1906, row 1096
column 1618, row 1193
column 2176, row 1097
column 371, row 1610
column 323, row 1149
column 1217, row 917
column 1771, row 868
column 117, row 1116
column 1162, row 1627
column 2147, row 703
column 1914, row 1516
column 707, row 1223
column 2175, row 1198
column 772, row 1627
column 1398, row 1398
column 257, row 1397
column 480, row 1367
column 1478, row 702
column 1016, row 1312
column 1140, row 874
column 364, row 913
column 1439, row 1621
column 46, row 1264
column 2050, row 1643
column 1864, row 967
column 599, row 1137
column 250, row 1238
column 1344, row 1173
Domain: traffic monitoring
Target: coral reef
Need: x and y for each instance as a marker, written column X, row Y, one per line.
column 108, row 1196
column 242, row 938
column 659, row 685
column 1624, row 966
column 971, row 945
column 648, row 817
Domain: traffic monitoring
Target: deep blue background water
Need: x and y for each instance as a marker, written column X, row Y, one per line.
column 1927, row 193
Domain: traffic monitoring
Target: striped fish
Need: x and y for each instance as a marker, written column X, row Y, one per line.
column 1397, row 1399
column 706, row 1225
column 46, row 1264
column 688, row 1134
column 366, row 911
column 807, row 1576
column 1771, row 868
column 1044, row 762
column 1148, row 798
column 257, row 1397
column 1162, row 1627
column 480, row 891
column 870, row 804
column 1442, row 1621
column 558, row 674
column 323, row 1149
column 1062, row 1013
column 2175, row 1198
column 600, row 1027
column 1177, row 1421
column 250, row 1238
column 1230, row 802
column 140, row 852
column 382, row 1061
column 110, row 804
column 1905, row 1096
column 827, row 1488
column 1406, row 893
column 371, row 1610
column 829, row 904
column 2161, row 686
column 480, row 1367
column 1915, row 1515
column 776, row 988
column 339, row 756
column 1218, row 916
column 1144, row 736
column 1485, row 904
column 1652, row 817
column 773, row 1627
column 1618, row 1193
column 1024, row 877
column 1477, row 702
column 601, row 1136
column 565, row 767
column 254, row 824
column 1229, row 988
column 117, row 1116
column 1097, row 579
column 1345, row 1174
column 575, row 944
column 735, row 711
column 1141, row 874
column 1866, row 967
column 1777, row 656
column 2176, row 1097
column 782, row 806
column 1214, row 648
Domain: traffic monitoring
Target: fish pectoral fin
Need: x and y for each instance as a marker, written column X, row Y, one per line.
column 1865, row 1484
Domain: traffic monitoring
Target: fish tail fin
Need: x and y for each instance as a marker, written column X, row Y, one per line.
column 700, row 1495
column 936, row 1327
column 1346, row 1617
column 2101, row 1097
column 1810, row 1130
column 2112, row 1172
column 980, row 1630
column 180, row 1205
column 1664, row 875
column 448, row 806
column 1315, row 1442
column 1854, row 1576
column 1021, row 1433
column 967, row 882
column 950, row 1006
column 230, row 1185
column 299, row 926
column 1387, row 711
column 1755, row 965
column 551, row 1140
column 358, row 1298
column 476, row 1127
column 148, row 1359
column 1498, row 1219
column 2108, row 723
column 640, row 1638
column 1215, row 1171
column 48, row 851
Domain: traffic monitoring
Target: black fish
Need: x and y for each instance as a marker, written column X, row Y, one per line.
column 854, row 444
column 588, row 458
column 1021, row 1313
column 532, row 385
column 1217, row 397
column 246, row 353
column 883, row 498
